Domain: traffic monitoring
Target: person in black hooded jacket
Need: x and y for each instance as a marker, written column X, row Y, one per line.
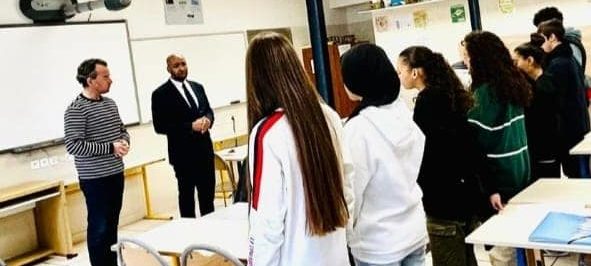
column 568, row 77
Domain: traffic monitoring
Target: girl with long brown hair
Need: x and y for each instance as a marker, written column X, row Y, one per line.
column 298, row 208
column 501, row 92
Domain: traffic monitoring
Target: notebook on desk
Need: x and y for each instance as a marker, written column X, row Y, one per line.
column 563, row 228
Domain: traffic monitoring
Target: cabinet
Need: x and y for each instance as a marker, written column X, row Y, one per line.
column 33, row 222
column 341, row 102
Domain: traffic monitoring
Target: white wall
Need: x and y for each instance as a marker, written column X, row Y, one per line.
column 146, row 19
column 443, row 36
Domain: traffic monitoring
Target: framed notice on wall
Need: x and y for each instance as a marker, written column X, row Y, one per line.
column 179, row 12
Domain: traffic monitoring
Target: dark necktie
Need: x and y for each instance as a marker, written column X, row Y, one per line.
column 190, row 99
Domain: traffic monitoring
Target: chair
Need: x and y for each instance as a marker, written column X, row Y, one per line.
column 132, row 252
column 227, row 184
column 214, row 256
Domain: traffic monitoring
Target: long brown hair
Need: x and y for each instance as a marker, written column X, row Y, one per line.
column 275, row 79
column 491, row 64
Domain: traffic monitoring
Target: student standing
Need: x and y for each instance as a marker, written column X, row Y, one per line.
column 501, row 92
column 572, row 36
column 298, row 211
column 181, row 111
column 568, row 76
column 542, row 116
column 96, row 137
column 447, row 177
column 389, row 226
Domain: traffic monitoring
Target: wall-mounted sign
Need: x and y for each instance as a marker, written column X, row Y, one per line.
column 458, row 13
column 420, row 18
column 507, row 6
column 178, row 12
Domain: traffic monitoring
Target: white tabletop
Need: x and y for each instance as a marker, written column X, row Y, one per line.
column 237, row 211
column 512, row 227
column 583, row 147
column 220, row 230
column 236, row 154
column 555, row 190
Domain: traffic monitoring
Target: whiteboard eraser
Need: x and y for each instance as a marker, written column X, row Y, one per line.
column 235, row 102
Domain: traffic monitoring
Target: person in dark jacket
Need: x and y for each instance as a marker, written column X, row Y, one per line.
column 450, row 190
column 572, row 35
column 542, row 116
column 568, row 77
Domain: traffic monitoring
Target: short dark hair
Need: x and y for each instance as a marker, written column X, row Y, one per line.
column 553, row 26
column 87, row 69
column 528, row 49
column 547, row 13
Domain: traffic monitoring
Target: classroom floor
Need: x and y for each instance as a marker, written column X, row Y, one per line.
column 145, row 225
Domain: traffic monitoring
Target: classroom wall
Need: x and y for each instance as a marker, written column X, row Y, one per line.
column 443, row 36
column 146, row 19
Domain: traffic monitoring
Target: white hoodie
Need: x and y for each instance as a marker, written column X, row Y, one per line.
column 387, row 148
column 277, row 218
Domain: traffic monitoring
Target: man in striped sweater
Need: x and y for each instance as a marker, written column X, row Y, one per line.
column 96, row 137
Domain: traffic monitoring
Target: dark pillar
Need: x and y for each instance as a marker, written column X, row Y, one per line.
column 319, row 49
column 475, row 14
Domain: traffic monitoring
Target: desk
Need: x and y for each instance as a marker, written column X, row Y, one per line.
column 554, row 190
column 236, row 156
column 34, row 209
column 583, row 147
column 512, row 227
column 133, row 167
column 221, row 228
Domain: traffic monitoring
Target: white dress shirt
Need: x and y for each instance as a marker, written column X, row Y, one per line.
column 179, row 87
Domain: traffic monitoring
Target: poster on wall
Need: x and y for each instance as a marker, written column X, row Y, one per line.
column 183, row 12
column 403, row 22
column 507, row 6
column 383, row 23
column 458, row 13
column 420, row 19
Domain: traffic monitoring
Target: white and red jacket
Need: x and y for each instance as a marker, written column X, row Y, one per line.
column 387, row 148
column 277, row 217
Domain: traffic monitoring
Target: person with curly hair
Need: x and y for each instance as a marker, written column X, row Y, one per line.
column 447, row 177
column 501, row 92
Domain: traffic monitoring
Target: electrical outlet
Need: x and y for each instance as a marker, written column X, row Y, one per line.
column 53, row 160
column 35, row 164
column 44, row 162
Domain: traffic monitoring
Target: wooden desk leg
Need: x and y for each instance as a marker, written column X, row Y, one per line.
column 176, row 261
column 534, row 258
column 149, row 212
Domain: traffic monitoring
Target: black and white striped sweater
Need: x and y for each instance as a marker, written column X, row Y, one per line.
column 91, row 126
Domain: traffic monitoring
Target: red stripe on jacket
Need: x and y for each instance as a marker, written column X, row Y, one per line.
column 258, row 155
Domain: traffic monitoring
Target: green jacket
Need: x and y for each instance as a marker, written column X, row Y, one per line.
column 500, row 131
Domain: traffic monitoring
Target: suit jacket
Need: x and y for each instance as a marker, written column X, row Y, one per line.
column 172, row 116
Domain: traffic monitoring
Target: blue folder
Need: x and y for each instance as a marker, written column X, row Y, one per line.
column 563, row 228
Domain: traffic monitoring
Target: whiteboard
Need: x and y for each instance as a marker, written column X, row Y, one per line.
column 215, row 60
column 38, row 76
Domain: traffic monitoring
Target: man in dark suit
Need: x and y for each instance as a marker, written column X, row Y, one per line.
column 180, row 111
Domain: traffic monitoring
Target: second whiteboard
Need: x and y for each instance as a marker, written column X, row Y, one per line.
column 216, row 61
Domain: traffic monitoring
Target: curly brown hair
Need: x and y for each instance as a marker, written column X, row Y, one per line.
column 439, row 76
column 491, row 64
